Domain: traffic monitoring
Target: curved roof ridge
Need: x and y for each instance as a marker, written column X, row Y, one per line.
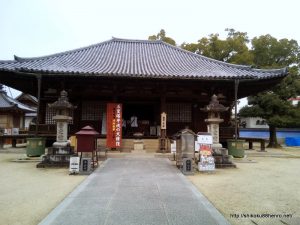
column 136, row 40
column 180, row 49
column 207, row 58
column 6, row 98
column 11, row 102
column 24, row 59
column 283, row 69
column 7, row 61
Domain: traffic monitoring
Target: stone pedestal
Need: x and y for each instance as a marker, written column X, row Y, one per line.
column 222, row 159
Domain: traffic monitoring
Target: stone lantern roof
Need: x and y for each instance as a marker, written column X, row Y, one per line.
column 62, row 102
column 214, row 106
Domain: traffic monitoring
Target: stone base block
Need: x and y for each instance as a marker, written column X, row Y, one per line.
column 138, row 146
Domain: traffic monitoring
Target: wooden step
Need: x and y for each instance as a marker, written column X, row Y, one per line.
column 150, row 145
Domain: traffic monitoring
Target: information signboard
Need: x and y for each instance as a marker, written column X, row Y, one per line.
column 74, row 165
column 173, row 147
column 207, row 161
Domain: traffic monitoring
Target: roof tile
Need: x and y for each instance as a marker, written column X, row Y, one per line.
column 135, row 58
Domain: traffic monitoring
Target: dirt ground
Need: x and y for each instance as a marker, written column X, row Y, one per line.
column 28, row 194
column 263, row 183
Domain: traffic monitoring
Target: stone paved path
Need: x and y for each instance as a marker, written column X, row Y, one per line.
column 135, row 191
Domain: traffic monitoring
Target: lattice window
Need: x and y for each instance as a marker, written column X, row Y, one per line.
column 179, row 112
column 49, row 115
column 185, row 113
column 92, row 111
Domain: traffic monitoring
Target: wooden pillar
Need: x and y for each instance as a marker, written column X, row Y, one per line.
column 39, row 81
column 163, row 130
column 115, row 93
column 77, row 113
column 236, row 86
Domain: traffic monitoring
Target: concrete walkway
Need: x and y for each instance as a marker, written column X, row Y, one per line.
column 135, row 191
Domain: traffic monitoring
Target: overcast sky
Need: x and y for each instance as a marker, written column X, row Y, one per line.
column 30, row 28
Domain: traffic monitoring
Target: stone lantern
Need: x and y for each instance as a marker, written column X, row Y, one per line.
column 59, row 154
column 214, row 108
column 63, row 110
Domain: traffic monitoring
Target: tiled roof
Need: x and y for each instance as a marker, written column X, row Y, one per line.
column 7, row 102
column 29, row 97
column 136, row 58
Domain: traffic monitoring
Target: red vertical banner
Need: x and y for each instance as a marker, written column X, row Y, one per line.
column 114, row 125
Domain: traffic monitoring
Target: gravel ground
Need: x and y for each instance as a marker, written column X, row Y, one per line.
column 263, row 183
column 28, row 194
column 268, row 184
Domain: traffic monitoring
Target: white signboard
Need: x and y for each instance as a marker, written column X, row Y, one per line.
column 173, row 147
column 74, row 164
column 205, row 139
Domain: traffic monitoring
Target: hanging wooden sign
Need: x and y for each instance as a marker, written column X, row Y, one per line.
column 114, row 125
column 163, row 120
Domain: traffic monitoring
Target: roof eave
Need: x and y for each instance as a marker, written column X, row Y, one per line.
column 139, row 76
